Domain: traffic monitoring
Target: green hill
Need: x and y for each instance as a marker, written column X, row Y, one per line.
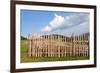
column 23, row 38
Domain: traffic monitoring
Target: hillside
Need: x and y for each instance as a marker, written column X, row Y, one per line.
column 23, row 38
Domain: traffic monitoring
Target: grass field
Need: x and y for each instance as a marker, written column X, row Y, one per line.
column 26, row 58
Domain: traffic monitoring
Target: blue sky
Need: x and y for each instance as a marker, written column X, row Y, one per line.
column 47, row 22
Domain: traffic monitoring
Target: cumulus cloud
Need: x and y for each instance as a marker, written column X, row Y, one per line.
column 56, row 23
column 60, row 22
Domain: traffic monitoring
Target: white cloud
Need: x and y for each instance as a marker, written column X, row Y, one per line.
column 56, row 23
column 79, row 29
column 46, row 29
column 60, row 22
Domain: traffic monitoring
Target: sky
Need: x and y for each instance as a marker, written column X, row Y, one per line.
column 51, row 22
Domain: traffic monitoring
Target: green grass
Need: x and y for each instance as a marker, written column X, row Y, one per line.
column 26, row 58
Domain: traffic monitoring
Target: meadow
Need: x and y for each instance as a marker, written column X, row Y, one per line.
column 25, row 58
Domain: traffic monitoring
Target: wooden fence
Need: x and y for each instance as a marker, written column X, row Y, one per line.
column 58, row 46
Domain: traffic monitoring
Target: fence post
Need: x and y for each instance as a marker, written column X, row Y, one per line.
column 30, row 46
